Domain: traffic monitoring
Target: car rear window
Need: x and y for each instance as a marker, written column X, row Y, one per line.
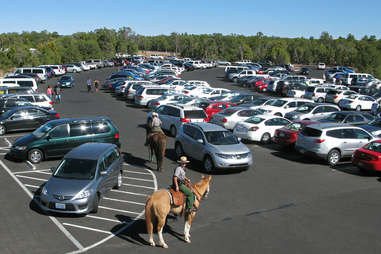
column 310, row 89
column 311, row 132
column 194, row 114
column 332, row 92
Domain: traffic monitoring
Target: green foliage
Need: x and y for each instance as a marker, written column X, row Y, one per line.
column 15, row 48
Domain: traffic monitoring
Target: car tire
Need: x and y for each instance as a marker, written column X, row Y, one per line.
column 208, row 164
column 173, row 131
column 358, row 108
column 96, row 203
column 278, row 114
column 2, row 130
column 35, row 156
column 333, row 157
column 320, row 100
column 179, row 150
column 119, row 181
column 266, row 138
column 235, row 80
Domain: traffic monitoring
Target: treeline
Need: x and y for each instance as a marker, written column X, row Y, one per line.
column 364, row 54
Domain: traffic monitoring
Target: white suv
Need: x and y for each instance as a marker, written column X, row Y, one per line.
column 173, row 116
column 145, row 94
column 282, row 106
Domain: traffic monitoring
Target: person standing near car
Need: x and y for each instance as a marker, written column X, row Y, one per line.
column 89, row 83
column 49, row 92
column 57, row 92
column 96, row 85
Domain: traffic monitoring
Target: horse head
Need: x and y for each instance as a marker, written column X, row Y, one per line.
column 204, row 186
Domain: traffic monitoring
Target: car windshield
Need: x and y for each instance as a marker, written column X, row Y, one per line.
column 221, row 138
column 185, row 100
column 228, row 112
column 65, row 78
column 294, row 126
column 376, row 122
column 373, row 146
column 305, row 108
column 353, row 96
column 40, row 132
column 259, row 101
column 254, row 120
column 277, row 103
column 335, row 117
column 76, row 169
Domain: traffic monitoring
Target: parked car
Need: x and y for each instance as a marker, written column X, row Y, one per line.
column 37, row 99
column 82, row 178
column 229, row 117
column 215, row 146
column 373, row 127
column 321, row 66
column 146, row 93
column 357, row 102
column 317, row 93
column 73, row 68
column 25, row 118
column 368, row 157
column 166, row 99
column 334, row 96
column 213, row 107
column 56, row 138
column 304, row 71
column 259, row 128
column 331, row 141
column 349, row 117
column 312, row 111
column 66, row 81
column 287, row 135
column 11, row 103
column 282, row 106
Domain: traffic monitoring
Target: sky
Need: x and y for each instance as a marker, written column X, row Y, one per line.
column 281, row 18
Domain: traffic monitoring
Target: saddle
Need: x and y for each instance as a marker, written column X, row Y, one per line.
column 177, row 197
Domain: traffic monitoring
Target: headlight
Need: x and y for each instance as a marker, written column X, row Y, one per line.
column 83, row 194
column 44, row 191
column 224, row 156
column 22, row 148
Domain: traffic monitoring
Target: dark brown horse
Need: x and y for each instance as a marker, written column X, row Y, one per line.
column 157, row 142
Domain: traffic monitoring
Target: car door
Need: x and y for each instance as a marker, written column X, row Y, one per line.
column 110, row 163
column 56, row 142
column 186, row 141
column 162, row 111
column 366, row 102
column 354, row 139
column 197, row 144
column 19, row 120
column 80, row 132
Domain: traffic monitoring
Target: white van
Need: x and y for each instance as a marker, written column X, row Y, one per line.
column 144, row 94
column 23, row 82
column 41, row 72
column 57, row 69
column 347, row 80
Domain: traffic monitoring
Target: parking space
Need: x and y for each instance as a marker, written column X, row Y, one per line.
column 117, row 209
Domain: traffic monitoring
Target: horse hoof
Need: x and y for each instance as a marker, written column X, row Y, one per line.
column 187, row 241
column 152, row 244
column 165, row 246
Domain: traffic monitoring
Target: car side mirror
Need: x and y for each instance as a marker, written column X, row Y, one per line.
column 53, row 169
column 200, row 141
column 239, row 139
column 102, row 173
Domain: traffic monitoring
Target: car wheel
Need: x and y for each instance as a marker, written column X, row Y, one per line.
column 278, row 114
column 35, row 156
column 358, row 108
column 173, row 131
column 266, row 138
column 208, row 164
column 2, row 129
column 179, row 150
column 320, row 100
column 235, row 80
column 119, row 182
column 96, row 203
column 333, row 157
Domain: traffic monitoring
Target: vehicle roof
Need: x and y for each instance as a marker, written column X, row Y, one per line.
column 69, row 120
column 350, row 113
column 324, row 126
column 89, row 151
column 208, row 126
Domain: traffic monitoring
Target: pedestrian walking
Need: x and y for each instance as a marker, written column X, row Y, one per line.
column 49, row 92
column 57, row 92
column 89, row 83
column 96, row 85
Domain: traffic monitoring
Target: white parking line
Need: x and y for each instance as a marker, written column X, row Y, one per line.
column 136, row 172
column 139, row 186
column 4, row 148
column 31, row 165
column 101, row 218
column 42, row 171
column 123, row 201
column 32, row 178
column 32, row 186
column 132, row 193
column 87, row 228
column 138, row 179
column 9, row 143
column 58, row 224
column 117, row 210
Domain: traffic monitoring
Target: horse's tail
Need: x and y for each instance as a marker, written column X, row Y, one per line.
column 149, row 216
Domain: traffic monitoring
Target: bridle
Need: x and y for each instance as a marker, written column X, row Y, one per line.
column 202, row 196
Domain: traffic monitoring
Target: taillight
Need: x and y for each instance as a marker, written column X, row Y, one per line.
column 319, row 141
column 116, row 136
column 224, row 120
column 109, row 85
column 157, row 104
column 185, row 120
column 57, row 115
column 128, row 91
column 313, row 94
column 140, row 97
column 254, row 128
column 186, row 92
column 335, row 97
column 50, row 102
column 206, row 119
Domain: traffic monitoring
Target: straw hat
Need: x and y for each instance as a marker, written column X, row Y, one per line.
column 154, row 114
column 183, row 159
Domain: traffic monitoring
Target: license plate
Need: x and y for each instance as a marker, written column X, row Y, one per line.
column 60, row 206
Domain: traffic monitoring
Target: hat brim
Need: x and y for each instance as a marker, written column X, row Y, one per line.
column 183, row 161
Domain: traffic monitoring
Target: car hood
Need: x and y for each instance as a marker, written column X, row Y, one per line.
column 376, row 131
column 66, row 187
column 231, row 149
column 25, row 140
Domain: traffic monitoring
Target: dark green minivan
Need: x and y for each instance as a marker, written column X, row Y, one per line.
column 58, row 137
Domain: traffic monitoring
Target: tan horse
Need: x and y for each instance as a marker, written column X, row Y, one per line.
column 158, row 206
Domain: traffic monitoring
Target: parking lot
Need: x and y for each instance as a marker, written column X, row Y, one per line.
column 284, row 203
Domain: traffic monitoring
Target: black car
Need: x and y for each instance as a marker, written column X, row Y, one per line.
column 25, row 118
column 189, row 67
column 243, row 99
column 304, row 71
column 349, row 117
column 7, row 104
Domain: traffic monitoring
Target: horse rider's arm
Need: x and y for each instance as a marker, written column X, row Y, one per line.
column 176, row 184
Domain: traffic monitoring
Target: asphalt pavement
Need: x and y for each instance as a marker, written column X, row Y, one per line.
column 284, row 203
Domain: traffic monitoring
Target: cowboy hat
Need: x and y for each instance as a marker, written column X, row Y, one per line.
column 183, row 159
column 154, row 114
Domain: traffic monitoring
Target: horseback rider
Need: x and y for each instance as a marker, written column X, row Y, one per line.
column 181, row 182
column 155, row 126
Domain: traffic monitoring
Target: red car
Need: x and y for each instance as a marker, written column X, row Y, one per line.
column 213, row 107
column 368, row 157
column 261, row 85
column 287, row 135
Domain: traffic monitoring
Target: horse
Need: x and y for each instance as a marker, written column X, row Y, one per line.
column 158, row 206
column 157, row 143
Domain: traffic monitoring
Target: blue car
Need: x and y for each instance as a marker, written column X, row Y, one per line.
column 66, row 81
